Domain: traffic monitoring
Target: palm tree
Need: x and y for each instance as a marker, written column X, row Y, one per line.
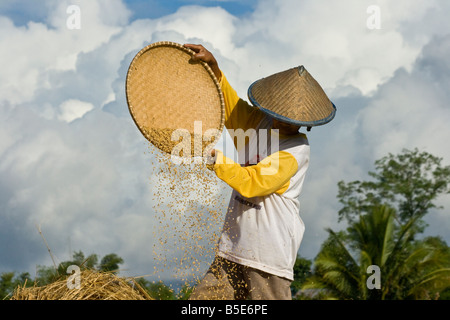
column 408, row 269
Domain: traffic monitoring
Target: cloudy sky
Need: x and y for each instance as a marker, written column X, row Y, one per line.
column 73, row 162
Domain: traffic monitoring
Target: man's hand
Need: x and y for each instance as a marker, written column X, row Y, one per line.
column 211, row 160
column 204, row 55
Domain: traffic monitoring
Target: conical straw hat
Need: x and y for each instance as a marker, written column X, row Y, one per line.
column 167, row 91
column 293, row 96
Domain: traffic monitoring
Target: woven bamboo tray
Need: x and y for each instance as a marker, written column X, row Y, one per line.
column 166, row 91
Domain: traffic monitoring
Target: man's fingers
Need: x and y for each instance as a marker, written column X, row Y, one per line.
column 200, row 52
column 194, row 47
column 198, row 49
column 204, row 55
column 200, row 56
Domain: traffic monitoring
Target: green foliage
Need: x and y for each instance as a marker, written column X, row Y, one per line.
column 9, row 281
column 160, row 291
column 185, row 292
column 47, row 275
column 410, row 182
column 384, row 217
column 157, row 290
column 110, row 263
column 417, row 270
column 302, row 270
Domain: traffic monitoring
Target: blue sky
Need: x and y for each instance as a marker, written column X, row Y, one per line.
column 73, row 162
column 22, row 11
column 155, row 9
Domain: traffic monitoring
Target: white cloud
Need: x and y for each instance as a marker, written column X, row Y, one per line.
column 37, row 48
column 71, row 110
column 411, row 110
column 214, row 25
column 72, row 160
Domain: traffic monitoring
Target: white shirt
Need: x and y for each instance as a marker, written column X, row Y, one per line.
column 265, row 232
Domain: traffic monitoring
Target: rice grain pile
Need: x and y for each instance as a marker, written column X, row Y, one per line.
column 93, row 286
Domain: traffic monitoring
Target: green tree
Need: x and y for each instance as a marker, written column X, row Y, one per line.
column 110, row 263
column 9, row 281
column 384, row 217
column 410, row 182
column 185, row 292
column 416, row 270
column 46, row 275
column 302, row 270
column 78, row 259
column 429, row 276
column 157, row 290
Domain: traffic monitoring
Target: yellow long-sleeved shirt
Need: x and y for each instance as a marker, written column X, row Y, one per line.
column 270, row 175
column 262, row 227
column 251, row 181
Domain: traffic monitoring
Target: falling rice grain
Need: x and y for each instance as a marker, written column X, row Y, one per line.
column 189, row 204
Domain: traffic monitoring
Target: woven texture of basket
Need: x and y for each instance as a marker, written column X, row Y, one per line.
column 167, row 91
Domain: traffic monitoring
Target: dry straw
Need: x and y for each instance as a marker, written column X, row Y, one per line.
column 94, row 286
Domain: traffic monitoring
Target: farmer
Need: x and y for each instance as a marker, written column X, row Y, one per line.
column 262, row 230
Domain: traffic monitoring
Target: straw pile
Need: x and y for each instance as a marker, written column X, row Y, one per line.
column 94, row 286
